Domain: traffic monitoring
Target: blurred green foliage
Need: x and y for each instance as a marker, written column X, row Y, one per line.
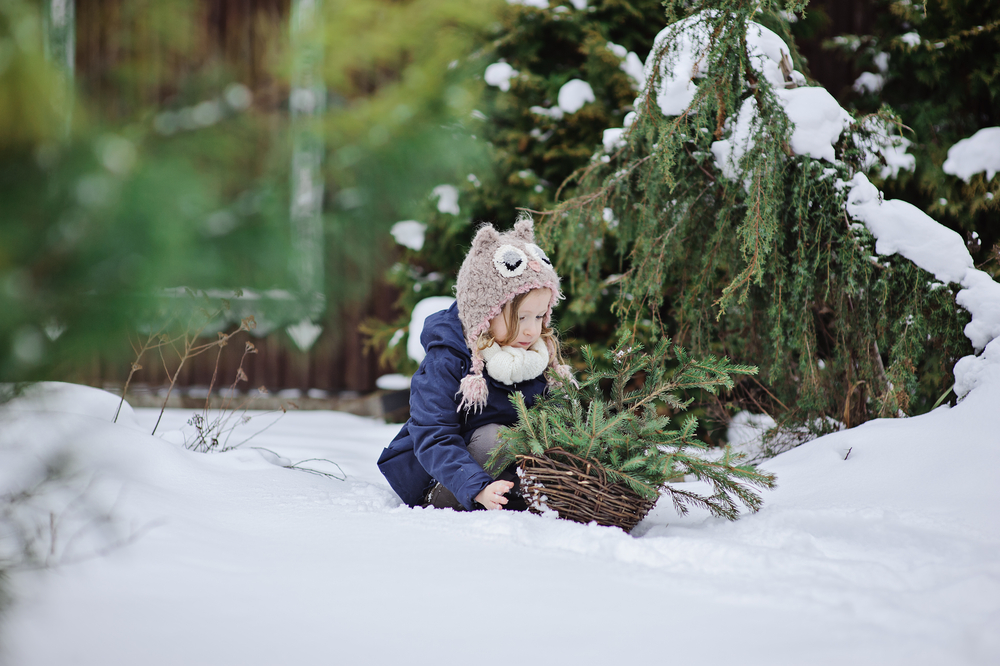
column 161, row 170
column 400, row 100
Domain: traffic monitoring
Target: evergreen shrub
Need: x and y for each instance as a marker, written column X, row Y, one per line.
column 754, row 257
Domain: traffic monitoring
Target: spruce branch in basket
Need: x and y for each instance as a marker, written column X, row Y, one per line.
column 614, row 421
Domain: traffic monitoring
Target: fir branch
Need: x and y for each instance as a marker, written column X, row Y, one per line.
column 622, row 437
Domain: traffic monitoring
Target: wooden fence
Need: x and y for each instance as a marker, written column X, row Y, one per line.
column 123, row 61
column 336, row 364
column 122, row 49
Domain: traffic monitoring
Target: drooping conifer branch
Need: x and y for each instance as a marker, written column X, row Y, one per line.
column 727, row 224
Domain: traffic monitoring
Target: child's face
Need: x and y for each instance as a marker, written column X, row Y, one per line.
column 530, row 317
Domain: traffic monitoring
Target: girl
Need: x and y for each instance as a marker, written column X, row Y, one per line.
column 495, row 340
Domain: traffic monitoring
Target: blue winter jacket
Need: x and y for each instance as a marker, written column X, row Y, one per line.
column 431, row 446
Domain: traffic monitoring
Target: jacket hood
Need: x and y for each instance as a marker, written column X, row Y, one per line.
column 444, row 329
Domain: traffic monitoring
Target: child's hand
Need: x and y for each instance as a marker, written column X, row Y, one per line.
column 492, row 496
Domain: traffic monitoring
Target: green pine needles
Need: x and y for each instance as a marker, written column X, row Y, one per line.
column 619, row 418
column 717, row 218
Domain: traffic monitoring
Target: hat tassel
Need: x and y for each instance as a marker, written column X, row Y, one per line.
column 474, row 392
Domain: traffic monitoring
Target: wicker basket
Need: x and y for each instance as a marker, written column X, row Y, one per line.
column 578, row 490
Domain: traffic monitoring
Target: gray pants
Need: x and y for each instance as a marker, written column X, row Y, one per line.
column 481, row 446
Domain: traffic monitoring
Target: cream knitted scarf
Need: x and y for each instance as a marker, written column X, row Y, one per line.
column 510, row 365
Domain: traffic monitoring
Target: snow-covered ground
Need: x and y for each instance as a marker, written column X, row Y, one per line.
column 889, row 556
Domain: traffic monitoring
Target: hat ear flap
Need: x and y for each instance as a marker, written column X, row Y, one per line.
column 486, row 239
column 524, row 228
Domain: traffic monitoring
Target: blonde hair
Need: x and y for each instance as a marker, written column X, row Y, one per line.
column 510, row 312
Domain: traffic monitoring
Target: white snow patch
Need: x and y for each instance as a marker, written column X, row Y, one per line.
column 881, row 140
column 393, row 382
column 396, row 337
column 617, row 49
column 631, row 64
column 901, row 227
column 555, row 113
column 537, row 4
column 973, row 371
column 634, row 68
column 746, row 431
column 980, row 152
column 869, row 82
column 818, row 118
column 613, row 139
column 893, row 148
column 911, row 39
column 447, row 196
column 304, row 333
column 766, row 50
column 981, row 297
column 574, row 94
column 499, row 75
column 409, row 233
column 678, row 68
column 729, row 152
column 63, row 398
column 421, row 311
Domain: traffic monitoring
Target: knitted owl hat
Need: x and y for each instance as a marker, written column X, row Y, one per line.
column 499, row 267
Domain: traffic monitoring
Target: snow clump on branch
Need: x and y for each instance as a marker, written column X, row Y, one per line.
column 680, row 52
column 900, row 227
column 409, row 233
column 631, row 64
column 980, row 152
column 447, row 196
column 499, row 75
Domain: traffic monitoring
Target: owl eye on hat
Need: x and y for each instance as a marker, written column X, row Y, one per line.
column 498, row 267
column 510, row 261
column 539, row 253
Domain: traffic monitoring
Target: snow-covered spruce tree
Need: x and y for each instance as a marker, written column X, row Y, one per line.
column 935, row 64
column 554, row 76
column 723, row 196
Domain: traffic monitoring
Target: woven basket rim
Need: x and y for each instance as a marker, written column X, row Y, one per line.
column 584, row 465
column 578, row 489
